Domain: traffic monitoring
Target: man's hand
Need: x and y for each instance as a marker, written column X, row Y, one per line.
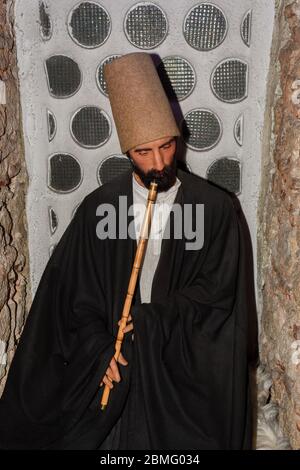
column 112, row 372
column 129, row 326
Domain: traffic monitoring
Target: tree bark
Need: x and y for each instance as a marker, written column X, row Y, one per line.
column 14, row 258
column 279, row 222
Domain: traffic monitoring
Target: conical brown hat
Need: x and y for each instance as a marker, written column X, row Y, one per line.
column 140, row 107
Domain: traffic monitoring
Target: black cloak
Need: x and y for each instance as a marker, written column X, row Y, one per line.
column 187, row 382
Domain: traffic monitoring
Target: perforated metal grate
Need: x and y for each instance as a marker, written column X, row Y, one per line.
column 89, row 24
column 201, row 129
column 246, row 28
column 177, row 76
column 51, row 125
column 100, row 75
column 90, row 127
column 239, row 130
column 64, row 172
column 63, row 76
column 229, row 80
column 205, row 27
column 146, row 25
column 53, row 220
column 226, row 173
column 112, row 166
column 46, row 24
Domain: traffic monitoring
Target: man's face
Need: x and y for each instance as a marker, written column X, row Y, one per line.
column 155, row 160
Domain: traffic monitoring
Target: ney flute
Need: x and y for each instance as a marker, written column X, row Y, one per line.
column 145, row 231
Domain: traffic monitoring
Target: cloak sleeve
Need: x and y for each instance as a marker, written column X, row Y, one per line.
column 191, row 349
column 64, row 350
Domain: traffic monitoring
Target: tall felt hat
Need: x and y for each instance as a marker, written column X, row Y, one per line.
column 140, row 107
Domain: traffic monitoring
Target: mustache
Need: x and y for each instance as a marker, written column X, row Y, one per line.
column 164, row 178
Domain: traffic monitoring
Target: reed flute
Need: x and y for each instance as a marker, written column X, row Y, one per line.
column 141, row 248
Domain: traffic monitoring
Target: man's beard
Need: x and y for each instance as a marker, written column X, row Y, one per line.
column 165, row 178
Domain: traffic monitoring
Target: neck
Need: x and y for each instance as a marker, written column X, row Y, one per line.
column 138, row 179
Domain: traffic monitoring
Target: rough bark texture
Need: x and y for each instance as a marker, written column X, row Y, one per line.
column 279, row 221
column 14, row 270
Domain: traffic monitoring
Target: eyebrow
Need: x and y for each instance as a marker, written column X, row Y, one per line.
column 147, row 149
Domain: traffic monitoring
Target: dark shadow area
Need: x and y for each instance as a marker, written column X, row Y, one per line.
column 169, row 90
column 250, row 305
column 249, row 284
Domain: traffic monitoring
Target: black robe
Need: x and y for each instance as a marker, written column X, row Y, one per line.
column 187, row 382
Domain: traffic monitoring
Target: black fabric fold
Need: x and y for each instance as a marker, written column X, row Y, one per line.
column 196, row 395
column 187, row 382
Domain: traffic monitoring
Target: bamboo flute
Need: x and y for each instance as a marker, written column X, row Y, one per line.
column 141, row 248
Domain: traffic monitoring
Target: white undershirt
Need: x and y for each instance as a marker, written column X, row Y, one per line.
column 162, row 207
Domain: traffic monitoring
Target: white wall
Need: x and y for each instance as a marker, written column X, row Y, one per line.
column 32, row 51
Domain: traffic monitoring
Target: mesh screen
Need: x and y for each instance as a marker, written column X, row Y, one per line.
column 64, row 76
column 89, row 25
column 100, row 76
column 111, row 167
column 53, row 220
column 46, row 26
column 51, row 125
column 201, row 129
column 205, row 27
column 64, row 172
column 226, row 173
column 90, row 127
column 177, row 76
column 146, row 25
column 238, row 130
column 229, row 80
column 246, row 28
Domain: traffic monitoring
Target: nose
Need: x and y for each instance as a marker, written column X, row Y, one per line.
column 158, row 161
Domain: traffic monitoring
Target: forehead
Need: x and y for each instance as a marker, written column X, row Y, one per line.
column 154, row 143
